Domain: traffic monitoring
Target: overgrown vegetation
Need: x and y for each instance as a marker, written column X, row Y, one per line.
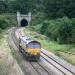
column 7, row 20
column 52, row 8
column 61, row 30
column 46, row 19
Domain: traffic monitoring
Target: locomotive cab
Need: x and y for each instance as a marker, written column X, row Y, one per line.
column 34, row 48
column 31, row 47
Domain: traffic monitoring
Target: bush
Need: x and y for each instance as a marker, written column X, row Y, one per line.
column 65, row 31
column 52, row 30
column 3, row 24
column 44, row 27
column 0, row 30
column 7, row 21
column 37, row 27
column 73, row 31
column 37, row 19
column 61, row 30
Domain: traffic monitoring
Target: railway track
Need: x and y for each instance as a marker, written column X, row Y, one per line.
column 64, row 70
column 35, row 69
column 72, row 71
column 45, row 66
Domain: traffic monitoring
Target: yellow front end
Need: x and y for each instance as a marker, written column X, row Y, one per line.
column 33, row 51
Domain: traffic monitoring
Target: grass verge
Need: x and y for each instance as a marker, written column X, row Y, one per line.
column 7, row 63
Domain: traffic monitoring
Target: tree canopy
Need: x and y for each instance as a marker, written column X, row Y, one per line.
column 51, row 8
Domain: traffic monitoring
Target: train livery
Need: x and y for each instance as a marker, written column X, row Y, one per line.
column 30, row 47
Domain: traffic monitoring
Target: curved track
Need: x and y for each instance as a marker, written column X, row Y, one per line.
column 45, row 66
column 63, row 66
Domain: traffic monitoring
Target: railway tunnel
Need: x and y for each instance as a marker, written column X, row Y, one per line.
column 24, row 22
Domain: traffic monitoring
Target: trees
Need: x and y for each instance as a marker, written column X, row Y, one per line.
column 3, row 6
column 61, row 30
column 65, row 31
column 24, row 6
column 58, row 29
column 52, row 8
column 59, row 8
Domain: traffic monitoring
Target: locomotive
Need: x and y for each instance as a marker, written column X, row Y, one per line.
column 30, row 47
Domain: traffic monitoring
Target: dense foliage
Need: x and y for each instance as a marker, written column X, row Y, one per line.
column 24, row 6
column 51, row 8
column 61, row 30
column 60, row 8
column 49, row 19
column 7, row 21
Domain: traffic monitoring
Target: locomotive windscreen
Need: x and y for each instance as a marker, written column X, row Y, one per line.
column 34, row 45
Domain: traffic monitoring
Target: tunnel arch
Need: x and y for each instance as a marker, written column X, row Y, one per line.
column 24, row 22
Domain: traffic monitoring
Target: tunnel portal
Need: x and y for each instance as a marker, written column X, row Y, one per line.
column 24, row 22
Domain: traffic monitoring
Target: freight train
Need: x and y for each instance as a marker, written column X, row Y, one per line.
column 30, row 47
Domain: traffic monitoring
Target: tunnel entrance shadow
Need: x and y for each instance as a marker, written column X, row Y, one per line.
column 24, row 22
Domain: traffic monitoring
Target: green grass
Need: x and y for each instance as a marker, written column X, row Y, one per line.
column 4, row 43
column 5, row 53
column 15, row 55
column 6, row 59
column 68, row 60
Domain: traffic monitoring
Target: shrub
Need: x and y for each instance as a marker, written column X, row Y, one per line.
column 65, row 31
column 73, row 30
column 0, row 30
column 52, row 30
column 37, row 27
column 7, row 21
column 61, row 30
column 44, row 27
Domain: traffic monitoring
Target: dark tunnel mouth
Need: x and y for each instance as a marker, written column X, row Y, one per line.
column 24, row 22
